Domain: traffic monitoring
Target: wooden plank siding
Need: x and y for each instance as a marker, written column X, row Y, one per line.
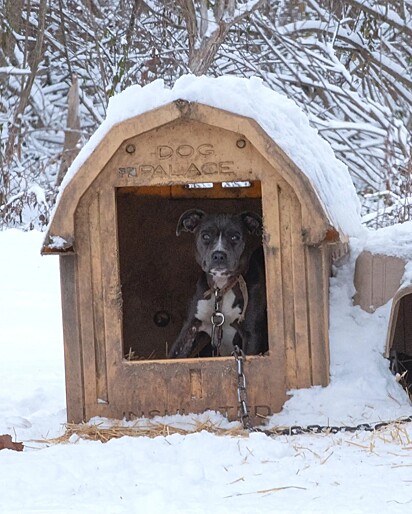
column 96, row 219
column 86, row 304
column 73, row 357
column 318, row 272
column 300, row 299
column 287, row 287
column 305, row 300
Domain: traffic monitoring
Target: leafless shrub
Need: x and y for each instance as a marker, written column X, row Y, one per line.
column 346, row 64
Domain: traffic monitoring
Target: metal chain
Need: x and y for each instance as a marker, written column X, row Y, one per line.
column 295, row 429
column 241, row 388
column 327, row 429
column 217, row 319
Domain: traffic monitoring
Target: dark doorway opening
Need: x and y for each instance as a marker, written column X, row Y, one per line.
column 401, row 350
column 158, row 271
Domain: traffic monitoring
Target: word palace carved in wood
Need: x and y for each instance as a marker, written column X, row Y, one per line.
column 182, row 160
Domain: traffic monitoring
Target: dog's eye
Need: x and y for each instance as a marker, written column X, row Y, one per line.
column 235, row 237
column 206, row 237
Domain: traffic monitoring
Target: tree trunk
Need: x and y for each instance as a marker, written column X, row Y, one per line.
column 26, row 90
column 72, row 133
column 11, row 18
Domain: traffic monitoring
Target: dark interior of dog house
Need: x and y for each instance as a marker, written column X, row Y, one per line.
column 401, row 350
column 158, row 271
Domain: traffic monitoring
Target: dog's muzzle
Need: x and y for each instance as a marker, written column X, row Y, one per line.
column 219, row 258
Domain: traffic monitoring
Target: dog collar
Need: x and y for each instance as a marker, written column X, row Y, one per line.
column 238, row 279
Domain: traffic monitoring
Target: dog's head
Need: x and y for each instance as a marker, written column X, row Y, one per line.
column 221, row 239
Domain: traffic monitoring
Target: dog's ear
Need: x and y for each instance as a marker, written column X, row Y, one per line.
column 189, row 220
column 253, row 222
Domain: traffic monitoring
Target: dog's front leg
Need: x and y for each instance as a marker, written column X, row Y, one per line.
column 184, row 344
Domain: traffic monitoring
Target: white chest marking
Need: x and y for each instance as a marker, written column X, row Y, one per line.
column 205, row 309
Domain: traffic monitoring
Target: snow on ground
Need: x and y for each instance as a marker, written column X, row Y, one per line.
column 201, row 472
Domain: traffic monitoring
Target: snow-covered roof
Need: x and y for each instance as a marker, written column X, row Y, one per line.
column 277, row 115
column 395, row 241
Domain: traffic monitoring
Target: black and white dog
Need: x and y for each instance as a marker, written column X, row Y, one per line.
column 231, row 292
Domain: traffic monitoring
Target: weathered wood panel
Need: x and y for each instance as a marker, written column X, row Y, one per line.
column 377, row 278
column 72, row 341
column 274, row 289
column 295, row 301
column 287, row 286
column 85, row 295
column 111, row 292
column 318, row 271
column 166, row 387
column 96, row 213
column 300, row 300
column 321, row 361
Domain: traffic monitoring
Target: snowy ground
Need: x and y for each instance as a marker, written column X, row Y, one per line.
column 342, row 473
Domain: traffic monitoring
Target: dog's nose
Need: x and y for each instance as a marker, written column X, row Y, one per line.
column 219, row 258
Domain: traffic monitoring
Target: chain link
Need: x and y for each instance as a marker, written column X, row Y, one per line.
column 217, row 319
column 327, row 429
column 241, row 388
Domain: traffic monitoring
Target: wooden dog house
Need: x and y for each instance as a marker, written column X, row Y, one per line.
column 126, row 279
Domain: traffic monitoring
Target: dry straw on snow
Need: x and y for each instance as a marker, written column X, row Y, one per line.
column 100, row 432
column 395, row 432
